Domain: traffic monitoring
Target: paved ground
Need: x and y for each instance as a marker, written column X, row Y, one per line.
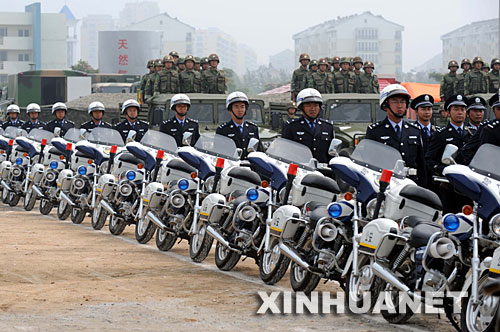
column 57, row 276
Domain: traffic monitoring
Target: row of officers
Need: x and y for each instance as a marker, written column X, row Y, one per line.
column 183, row 75
column 341, row 75
column 476, row 77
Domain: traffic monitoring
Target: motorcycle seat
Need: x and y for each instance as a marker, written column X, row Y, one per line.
column 421, row 234
column 320, row 182
column 129, row 158
column 56, row 152
column 317, row 214
column 413, row 221
column 180, row 165
column 244, row 174
column 422, row 195
column 21, row 149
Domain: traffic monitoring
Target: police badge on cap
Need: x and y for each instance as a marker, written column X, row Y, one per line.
column 458, row 100
column 494, row 100
column 476, row 103
column 425, row 100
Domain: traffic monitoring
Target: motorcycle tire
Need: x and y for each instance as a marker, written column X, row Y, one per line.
column 45, row 206
column 225, row 259
column 14, row 198
column 273, row 265
column 29, row 200
column 164, row 240
column 5, row 196
column 144, row 230
column 63, row 210
column 469, row 315
column 396, row 317
column 302, row 280
column 116, row 225
column 99, row 216
column 352, row 297
column 77, row 215
column 200, row 244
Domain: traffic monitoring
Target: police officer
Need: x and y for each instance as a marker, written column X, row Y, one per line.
column 213, row 80
column 448, row 86
column 298, row 82
column 96, row 112
column 12, row 117
column 476, row 107
column 423, row 108
column 494, row 76
column 167, row 80
column 321, row 80
column 144, row 79
column 344, row 81
column 179, row 124
column 131, row 108
column 189, row 79
column 33, row 111
column 398, row 133
column 59, row 110
column 465, row 65
column 368, row 82
column 308, row 129
column 475, row 81
column 238, row 129
column 491, row 133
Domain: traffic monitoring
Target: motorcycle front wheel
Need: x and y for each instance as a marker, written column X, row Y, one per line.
column 225, row 258
column 29, row 200
column 480, row 316
column 273, row 264
column 200, row 244
column 45, row 206
column 303, row 280
column 14, row 198
column 144, row 230
column 164, row 240
column 63, row 210
column 77, row 215
column 116, row 225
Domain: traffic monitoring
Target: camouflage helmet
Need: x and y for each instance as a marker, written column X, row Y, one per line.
column 180, row 61
column 494, row 61
column 485, row 66
column 289, row 105
column 313, row 63
column 464, row 61
column 368, row 64
column 477, row 59
column 345, row 60
column 189, row 58
column 213, row 57
column 204, row 60
column 452, row 63
column 174, row 54
column 150, row 64
column 304, row 56
column 330, row 61
column 158, row 63
column 168, row 58
column 336, row 59
column 323, row 61
column 196, row 60
column 357, row 59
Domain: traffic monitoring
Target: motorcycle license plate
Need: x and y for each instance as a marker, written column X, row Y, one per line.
column 495, row 264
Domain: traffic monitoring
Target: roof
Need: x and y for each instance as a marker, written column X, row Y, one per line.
column 110, row 100
column 161, row 14
column 282, row 89
column 472, row 27
column 417, row 89
column 67, row 12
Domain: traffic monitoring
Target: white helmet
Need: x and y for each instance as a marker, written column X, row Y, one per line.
column 179, row 98
column 33, row 108
column 96, row 106
column 393, row 90
column 59, row 106
column 236, row 97
column 309, row 95
column 130, row 103
column 13, row 109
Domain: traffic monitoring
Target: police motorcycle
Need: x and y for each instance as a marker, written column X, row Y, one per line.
column 381, row 255
column 9, row 150
column 25, row 153
column 480, row 226
column 89, row 162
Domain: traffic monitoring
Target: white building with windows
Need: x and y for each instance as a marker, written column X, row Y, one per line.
column 475, row 39
column 134, row 12
column 369, row 36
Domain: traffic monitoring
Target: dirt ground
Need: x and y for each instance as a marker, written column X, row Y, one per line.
column 57, row 276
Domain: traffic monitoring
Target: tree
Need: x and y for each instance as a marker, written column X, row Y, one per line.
column 436, row 76
column 84, row 66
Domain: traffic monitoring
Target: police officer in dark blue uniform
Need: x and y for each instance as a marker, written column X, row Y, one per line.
column 33, row 111
column 96, row 111
column 238, row 129
column 179, row 124
column 131, row 108
column 59, row 110
column 399, row 133
column 309, row 130
column 491, row 133
column 423, row 108
column 13, row 117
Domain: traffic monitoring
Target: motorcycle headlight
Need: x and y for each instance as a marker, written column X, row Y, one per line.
column 183, row 184
column 252, row 194
column 334, row 210
column 125, row 189
column 451, row 222
column 82, row 170
column 495, row 224
column 53, row 164
column 131, row 175
column 19, row 161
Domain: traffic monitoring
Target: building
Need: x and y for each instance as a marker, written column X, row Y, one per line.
column 246, row 59
column 31, row 40
column 366, row 35
column 89, row 36
column 475, row 39
column 284, row 60
column 71, row 37
column 134, row 12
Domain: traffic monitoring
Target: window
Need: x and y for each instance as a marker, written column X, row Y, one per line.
column 350, row 113
column 3, row 32
column 23, row 57
column 3, row 55
column 23, row 33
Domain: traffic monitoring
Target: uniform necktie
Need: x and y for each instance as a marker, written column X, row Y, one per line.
column 313, row 125
column 427, row 132
column 398, row 131
column 460, row 131
column 241, row 129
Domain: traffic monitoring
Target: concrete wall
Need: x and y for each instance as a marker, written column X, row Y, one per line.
column 53, row 41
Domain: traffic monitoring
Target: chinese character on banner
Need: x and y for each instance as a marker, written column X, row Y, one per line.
column 123, row 60
column 122, row 72
column 122, row 43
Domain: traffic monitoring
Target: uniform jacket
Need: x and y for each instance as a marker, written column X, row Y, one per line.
column 173, row 128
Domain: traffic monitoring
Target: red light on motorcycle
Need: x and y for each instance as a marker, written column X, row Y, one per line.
column 292, row 169
column 159, row 154
column 11, row 142
column 467, row 210
column 2, row 151
column 219, row 163
column 90, row 161
column 113, row 149
column 25, row 154
column 264, row 184
column 386, row 176
column 140, row 166
column 61, row 157
column 44, row 141
column 194, row 175
column 356, row 141
column 69, row 146
column 348, row 196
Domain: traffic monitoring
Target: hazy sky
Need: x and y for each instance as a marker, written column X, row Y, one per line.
column 268, row 26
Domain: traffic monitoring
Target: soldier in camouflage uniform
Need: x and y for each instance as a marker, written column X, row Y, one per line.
column 485, row 68
column 336, row 64
column 475, row 81
column 180, row 65
column 197, row 64
column 167, row 80
column 322, row 80
column 152, row 79
column 298, row 80
column 313, row 67
column 357, row 62
column 448, row 86
column 368, row 82
column 344, row 81
column 213, row 80
column 175, row 55
column 205, row 64
column 144, row 79
column 465, row 65
column 189, row 79
column 494, row 76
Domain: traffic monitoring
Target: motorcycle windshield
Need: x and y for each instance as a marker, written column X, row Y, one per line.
column 217, row 145
column 375, row 155
column 13, row 132
column 38, row 135
column 72, row 135
column 160, row 141
column 105, row 136
column 289, row 151
column 486, row 161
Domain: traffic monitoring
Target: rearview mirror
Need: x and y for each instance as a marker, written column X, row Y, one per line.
column 313, row 163
column 82, row 133
column 57, row 131
column 239, row 152
column 253, row 144
column 400, row 168
column 187, row 138
column 131, row 136
column 334, row 146
column 449, row 154
column 19, row 132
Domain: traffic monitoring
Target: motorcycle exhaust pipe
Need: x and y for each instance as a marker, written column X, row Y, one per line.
column 293, row 255
column 151, row 216
column 107, row 207
column 386, row 275
column 218, row 236
column 6, row 186
column 37, row 191
column 66, row 198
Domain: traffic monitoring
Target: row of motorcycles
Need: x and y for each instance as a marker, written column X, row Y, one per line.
column 359, row 221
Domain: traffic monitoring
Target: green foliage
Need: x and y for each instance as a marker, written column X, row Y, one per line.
column 436, row 76
column 84, row 66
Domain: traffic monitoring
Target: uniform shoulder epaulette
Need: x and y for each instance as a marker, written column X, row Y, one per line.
column 326, row 121
column 223, row 125
column 293, row 120
column 109, row 124
column 413, row 124
column 441, row 129
column 145, row 122
column 193, row 120
column 251, row 123
column 485, row 122
column 494, row 124
column 375, row 125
